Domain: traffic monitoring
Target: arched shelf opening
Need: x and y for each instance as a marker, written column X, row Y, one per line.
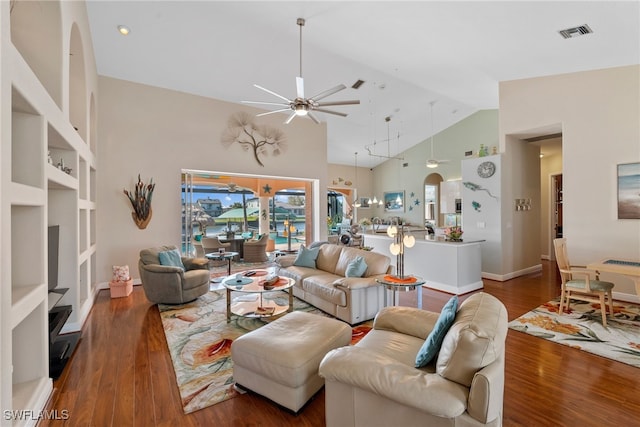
column 77, row 84
column 36, row 31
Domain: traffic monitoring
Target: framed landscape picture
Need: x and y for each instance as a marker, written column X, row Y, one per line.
column 394, row 201
column 629, row 191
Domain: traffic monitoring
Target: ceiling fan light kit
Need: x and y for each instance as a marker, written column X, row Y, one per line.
column 301, row 106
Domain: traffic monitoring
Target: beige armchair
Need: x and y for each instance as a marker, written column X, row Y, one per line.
column 167, row 284
column 213, row 244
column 256, row 250
column 376, row 383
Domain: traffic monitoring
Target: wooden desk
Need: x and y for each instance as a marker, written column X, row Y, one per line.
column 625, row 267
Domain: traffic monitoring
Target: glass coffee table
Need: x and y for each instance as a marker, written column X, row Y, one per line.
column 249, row 300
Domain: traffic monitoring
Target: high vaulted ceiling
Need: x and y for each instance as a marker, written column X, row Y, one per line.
column 409, row 54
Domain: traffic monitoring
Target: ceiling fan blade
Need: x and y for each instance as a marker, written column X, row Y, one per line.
column 326, row 93
column 300, row 87
column 313, row 117
column 334, row 103
column 265, row 103
column 272, row 93
column 291, row 117
column 337, row 113
column 271, row 112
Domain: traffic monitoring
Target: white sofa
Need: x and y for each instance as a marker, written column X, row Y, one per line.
column 376, row 383
column 352, row 299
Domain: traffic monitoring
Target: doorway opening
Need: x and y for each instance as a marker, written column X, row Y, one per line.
column 432, row 200
column 234, row 206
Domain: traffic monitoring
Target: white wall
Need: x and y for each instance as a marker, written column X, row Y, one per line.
column 156, row 132
column 599, row 115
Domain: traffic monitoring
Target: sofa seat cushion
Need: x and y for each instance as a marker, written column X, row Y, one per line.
column 354, row 283
column 297, row 273
column 399, row 347
column 323, row 286
column 475, row 340
column 396, row 381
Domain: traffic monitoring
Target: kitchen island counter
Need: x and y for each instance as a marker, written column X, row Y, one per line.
column 453, row 267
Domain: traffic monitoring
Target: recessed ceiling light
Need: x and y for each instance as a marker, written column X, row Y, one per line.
column 123, row 29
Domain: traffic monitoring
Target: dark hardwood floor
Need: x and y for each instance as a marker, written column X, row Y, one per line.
column 121, row 374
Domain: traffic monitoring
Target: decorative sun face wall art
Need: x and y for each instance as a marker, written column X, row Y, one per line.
column 629, row 191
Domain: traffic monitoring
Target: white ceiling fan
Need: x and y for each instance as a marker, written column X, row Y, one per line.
column 433, row 162
column 301, row 106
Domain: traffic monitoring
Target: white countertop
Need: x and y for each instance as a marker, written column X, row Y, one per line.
column 421, row 239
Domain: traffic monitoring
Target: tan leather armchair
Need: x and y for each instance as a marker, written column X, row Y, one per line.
column 375, row 383
column 256, row 250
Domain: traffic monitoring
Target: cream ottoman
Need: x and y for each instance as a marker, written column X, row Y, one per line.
column 280, row 360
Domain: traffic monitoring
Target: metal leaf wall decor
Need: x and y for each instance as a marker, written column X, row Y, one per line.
column 261, row 140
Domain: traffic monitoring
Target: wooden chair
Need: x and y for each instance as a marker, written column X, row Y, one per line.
column 580, row 283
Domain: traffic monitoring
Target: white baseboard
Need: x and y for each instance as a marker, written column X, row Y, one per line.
column 626, row 297
column 513, row 274
column 105, row 285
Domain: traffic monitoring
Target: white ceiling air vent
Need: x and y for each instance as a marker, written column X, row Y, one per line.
column 570, row 33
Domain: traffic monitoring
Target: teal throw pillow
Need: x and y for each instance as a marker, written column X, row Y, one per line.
column 356, row 267
column 198, row 237
column 432, row 344
column 306, row 257
column 171, row 258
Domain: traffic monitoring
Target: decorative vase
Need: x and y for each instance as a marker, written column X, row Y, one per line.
column 142, row 222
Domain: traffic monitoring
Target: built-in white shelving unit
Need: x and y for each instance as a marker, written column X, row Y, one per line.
column 48, row 90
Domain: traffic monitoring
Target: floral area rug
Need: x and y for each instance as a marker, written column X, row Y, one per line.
column 199, row 340
column 581, row 327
